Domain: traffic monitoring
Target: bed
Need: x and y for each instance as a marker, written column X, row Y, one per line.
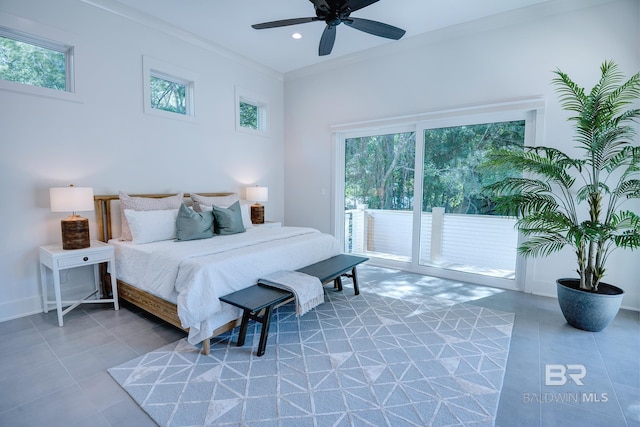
column 181, row 281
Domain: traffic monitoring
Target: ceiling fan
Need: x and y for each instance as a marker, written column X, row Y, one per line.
column 334, row 13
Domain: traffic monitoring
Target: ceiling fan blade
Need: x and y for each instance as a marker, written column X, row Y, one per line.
column 284, row 23
column 376, row 28
column 358, row 4
column 327, row 40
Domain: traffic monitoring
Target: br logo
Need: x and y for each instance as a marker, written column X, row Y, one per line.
column 557, row 374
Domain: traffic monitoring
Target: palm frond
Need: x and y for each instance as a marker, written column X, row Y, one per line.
column 629, row 189
column 547, row 220
column 627, row 229
column 625, row 94
column 571, row 95
column 542, row 245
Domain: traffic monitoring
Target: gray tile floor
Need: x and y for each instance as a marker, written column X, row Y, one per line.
column 57, row 376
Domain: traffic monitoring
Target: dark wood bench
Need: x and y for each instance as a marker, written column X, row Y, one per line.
column 252, row 300
column 263, row 298
column 332, row 269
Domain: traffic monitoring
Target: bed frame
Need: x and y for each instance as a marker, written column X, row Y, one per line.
column 163, row 309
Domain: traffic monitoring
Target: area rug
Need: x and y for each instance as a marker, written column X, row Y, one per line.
column 362, row 360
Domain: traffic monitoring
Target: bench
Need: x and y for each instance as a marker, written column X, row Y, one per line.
column 332, row 269
column 261, row 297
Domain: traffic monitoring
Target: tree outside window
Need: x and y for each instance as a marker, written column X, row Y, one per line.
column 35, row 65
column 249, row 115
column 168, row 95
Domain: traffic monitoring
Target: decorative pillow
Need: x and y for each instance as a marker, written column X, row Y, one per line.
column 152, row 226
column 191, row 225
column 144, row 204
column 199, row 200
column 228, row 220
column 244, row 209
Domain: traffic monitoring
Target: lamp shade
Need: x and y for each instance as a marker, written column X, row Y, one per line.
column 71, row 199
column 258, row 194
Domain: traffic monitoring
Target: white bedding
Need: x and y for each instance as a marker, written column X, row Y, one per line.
column 194, row 274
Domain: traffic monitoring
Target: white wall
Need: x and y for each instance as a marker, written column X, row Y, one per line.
column 106, row 141
column 481, row 62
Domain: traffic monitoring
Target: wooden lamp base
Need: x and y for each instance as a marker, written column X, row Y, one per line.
column 75, row 232
column 257, row 214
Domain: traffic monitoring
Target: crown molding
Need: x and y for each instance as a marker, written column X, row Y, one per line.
column 134, row 15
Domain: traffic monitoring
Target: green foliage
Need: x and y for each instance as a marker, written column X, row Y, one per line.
column 167, row 95
column 32, row 65
column 248, row 115
column 379, row 170
column 453, row 178
column 548, row 199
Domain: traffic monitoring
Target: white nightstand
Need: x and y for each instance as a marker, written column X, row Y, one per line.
column 269, row 224
column 55, row 258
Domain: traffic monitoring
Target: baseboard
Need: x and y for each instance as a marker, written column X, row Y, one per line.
column 33, row 305
column 20, row 308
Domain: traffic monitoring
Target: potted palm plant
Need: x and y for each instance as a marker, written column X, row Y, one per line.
column 563, row 201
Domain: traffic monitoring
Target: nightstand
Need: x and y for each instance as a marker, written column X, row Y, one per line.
column 56, row 259
column 269, row 224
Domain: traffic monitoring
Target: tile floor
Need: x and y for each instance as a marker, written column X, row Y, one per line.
column 57, row 376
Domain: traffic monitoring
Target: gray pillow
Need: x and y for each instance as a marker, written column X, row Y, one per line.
column 191, row 225
column 228, row 220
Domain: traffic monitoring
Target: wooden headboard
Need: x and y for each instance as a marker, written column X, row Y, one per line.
column 104, row 212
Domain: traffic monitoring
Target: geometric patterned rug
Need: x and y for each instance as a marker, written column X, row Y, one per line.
column 364, row 360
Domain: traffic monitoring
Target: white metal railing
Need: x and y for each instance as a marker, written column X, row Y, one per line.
column 483, row 244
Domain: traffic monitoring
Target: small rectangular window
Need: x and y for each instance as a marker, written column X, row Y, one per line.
column 251, row 113
column 169, row 91
column 33, row 61
column 168, row 95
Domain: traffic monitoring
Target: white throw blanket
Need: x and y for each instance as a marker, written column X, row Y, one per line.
column 307, row 289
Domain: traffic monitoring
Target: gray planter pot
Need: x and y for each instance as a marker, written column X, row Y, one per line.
column 589, row 311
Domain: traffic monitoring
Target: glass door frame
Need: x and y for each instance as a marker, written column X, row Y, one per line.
column 531, row 110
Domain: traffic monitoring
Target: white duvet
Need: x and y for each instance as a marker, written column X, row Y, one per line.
column 196, row 273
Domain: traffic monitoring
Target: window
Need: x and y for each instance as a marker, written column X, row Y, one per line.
column 251, row 113
column 459, row 228
column 168, row 95
column 34, row 61
column 169, row 91
column 378, row 187
column 409, row 194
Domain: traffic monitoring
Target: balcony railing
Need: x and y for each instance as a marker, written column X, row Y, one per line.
column 481, row 244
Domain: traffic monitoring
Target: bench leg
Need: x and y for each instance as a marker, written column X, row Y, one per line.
column 243, row 328
column 337, row 283
column 354, row 277
column 264, row 333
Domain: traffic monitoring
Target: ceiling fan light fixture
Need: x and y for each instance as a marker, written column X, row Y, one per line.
column 334, row 13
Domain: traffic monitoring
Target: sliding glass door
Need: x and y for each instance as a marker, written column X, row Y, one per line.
column 459, row 230
column 378, row 194
column 413, row 197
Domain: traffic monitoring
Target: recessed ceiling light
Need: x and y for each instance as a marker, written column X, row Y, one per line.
column 296, row 36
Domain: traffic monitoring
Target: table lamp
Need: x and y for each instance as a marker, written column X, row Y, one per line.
column 257, row 194
column 75, row 229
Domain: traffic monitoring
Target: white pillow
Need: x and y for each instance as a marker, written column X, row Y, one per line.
column 244, row 210
column 144, row 204
column 152, row 226
column 223, row 201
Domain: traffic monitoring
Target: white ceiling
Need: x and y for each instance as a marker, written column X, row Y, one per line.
column 227, row 23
